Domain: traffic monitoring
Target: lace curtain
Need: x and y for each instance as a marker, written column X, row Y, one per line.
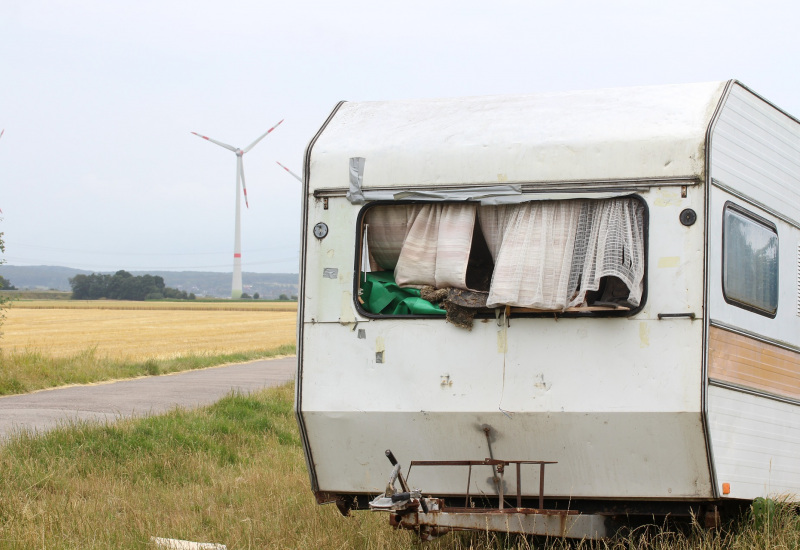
column 609, row 243
column 531, row 245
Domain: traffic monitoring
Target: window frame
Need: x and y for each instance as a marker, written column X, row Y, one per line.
column 511, row 310
column 766, row 224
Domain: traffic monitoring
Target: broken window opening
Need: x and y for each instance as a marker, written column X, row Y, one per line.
column 562, row 256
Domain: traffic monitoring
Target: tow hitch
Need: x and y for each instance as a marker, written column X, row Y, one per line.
column 430, row 517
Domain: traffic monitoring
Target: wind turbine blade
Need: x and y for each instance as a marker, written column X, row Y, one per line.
column 1, row 132
column 241, row 176
column 246, row 149
column 230, row 147
column 292, row 173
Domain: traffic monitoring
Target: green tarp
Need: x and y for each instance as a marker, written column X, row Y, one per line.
column 381, row 295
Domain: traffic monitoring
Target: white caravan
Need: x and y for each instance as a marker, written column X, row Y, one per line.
column 606, row 280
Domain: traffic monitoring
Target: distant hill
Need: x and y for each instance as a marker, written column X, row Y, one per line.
column 40, row 277
column 202, row 283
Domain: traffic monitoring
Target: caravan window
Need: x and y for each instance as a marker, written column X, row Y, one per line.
column 540, row 256
column 749, row 261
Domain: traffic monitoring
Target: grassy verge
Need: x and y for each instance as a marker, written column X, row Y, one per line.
column 234, row 473
column 25, row 371
column 157, row 305
column 35, row 294
column 231, row 473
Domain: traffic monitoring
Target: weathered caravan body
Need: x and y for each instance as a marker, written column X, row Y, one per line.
column 661, row 371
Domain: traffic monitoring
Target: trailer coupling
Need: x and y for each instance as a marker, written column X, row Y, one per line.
column 430, row 517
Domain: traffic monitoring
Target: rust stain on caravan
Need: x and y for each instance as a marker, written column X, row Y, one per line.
column 540, row 386
column 502, row 340
column 644, row 334
column 669, row 261
column 667, row 196
column 380, row 350
column 748, row 362
column 346, row 315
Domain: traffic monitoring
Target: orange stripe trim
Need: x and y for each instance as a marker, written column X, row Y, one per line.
column 750, row 363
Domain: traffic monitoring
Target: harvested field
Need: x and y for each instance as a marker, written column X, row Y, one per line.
column 143, row 330
column 221, row 305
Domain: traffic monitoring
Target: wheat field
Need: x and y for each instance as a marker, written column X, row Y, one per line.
column 199, row 305
column 144, row 330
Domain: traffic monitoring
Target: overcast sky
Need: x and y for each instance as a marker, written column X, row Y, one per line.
column 99, row 170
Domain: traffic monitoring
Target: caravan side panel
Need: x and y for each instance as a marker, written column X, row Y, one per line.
column 754, row 357
column 756, row 443
column 755, row 151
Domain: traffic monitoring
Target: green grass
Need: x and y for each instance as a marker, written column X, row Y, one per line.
column 36, row 294
column 26, row 371
column 234, row 473
column 62, row 295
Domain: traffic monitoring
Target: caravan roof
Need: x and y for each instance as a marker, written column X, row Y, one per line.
column 653, row 132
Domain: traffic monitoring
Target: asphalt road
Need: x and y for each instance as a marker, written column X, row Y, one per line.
column 43, row 410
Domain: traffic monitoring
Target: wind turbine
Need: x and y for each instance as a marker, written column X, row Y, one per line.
column 236, row 287
column 298, row 178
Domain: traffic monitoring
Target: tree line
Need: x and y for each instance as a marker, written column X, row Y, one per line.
column 124, row 286
column 5, row 284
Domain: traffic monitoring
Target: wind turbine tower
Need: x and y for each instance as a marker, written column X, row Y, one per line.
column 236, row 287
